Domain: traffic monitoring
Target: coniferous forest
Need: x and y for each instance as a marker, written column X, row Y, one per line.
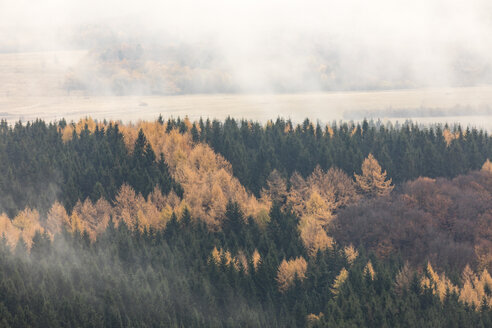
column 235, row 223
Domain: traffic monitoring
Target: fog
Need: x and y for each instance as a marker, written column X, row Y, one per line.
column 269, row 46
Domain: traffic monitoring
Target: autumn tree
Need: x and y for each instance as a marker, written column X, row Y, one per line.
column 343, row 187
column 440, row 285
column 373, row 180
column 9, row 231
column 339, row 281
column 56, row 219
column 318, row 208
column 298, row 193
column 256, row 259
column 403, row 279
column 314, row 236
column 27, row 221
column 476, row 288
column 276, row 188
column 369, row 271
column 289, row 270
column 350, row 253
column 487, row 166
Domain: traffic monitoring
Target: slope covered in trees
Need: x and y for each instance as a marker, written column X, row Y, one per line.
column 447, row 222
column 405, row 152
column 210, row 224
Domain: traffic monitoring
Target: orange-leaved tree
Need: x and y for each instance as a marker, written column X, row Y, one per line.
column 372, row 181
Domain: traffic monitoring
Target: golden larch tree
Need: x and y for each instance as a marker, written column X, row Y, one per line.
column 56, row 219
column 369, row 270
column 289, row 270
column 297, row 194
column 276, row 188
column 343, row 187
column 314, row 236
column 350, row 253
column 373, row 180
column 9, row 231
column 256, row 259
column 439, row 284
column 27, row 221
column 339, row 281
column 487, row 166
column 403, row 279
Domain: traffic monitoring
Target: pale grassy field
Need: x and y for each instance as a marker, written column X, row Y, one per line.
column 30, row 87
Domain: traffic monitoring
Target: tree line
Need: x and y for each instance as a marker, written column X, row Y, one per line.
column 405, row 151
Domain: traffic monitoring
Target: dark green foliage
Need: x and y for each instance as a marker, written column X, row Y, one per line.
column 166, row 279
column 149, row 278
column 406, row 152
column 39, row 168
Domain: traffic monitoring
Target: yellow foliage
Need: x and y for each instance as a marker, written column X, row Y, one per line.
column 353, row 131
column 313, row 319
column 256, row 259
column 130, row 134
column 297, row 193
column 262, row 215
column 474, row 288
column 56, row 219
column 339, row 281
column 75, row 223
column 350, row 253
column 133, row 209
column 288, row 270
column 342, row 186
column 314, row 236
column 449, row 136
column 7, row 229
column 216, row 255
column 276, row 188
column 103, row 213
column 403, row 278
column 89, row 122
column 440, row 285
column 319, row 208
column 321, row 194
column 27, row 221
column 79, row 127
column 205, row 176
column 330, row 131
column 238, row 262
column 315, row 200
column 67, row 133
column 487, row 166
column 369, row 270
column 373, row 180
column 86, row 212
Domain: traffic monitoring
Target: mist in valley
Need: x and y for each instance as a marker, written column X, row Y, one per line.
column 63, row 53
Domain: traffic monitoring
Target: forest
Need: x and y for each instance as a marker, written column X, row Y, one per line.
column 234, row 223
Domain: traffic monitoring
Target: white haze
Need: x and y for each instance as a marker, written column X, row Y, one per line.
column 271, row 46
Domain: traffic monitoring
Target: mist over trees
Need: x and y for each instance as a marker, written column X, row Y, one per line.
column 233, row 223
column 121, row 61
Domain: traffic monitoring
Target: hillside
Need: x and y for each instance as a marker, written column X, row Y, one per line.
column 237, row 223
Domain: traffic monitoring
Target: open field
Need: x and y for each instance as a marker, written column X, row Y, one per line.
column 323, row 106
column 31, row 87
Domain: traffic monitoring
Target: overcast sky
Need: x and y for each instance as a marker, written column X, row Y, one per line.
column 423, row 36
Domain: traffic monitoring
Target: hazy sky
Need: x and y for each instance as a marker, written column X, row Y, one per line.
column 375, row 21
column 425, row 40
